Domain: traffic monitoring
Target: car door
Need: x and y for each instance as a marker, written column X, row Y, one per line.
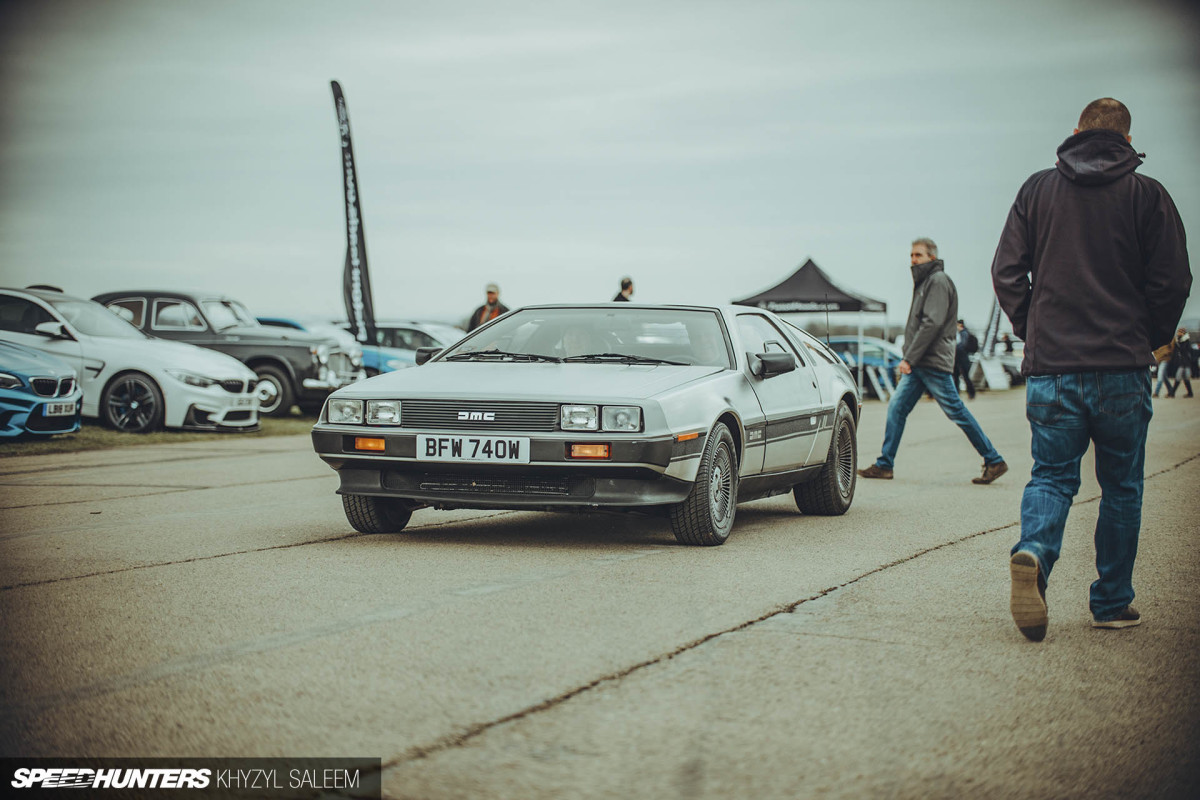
column 791, row 402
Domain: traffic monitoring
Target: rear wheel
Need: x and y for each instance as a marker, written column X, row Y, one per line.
column 376, row 514
column 832, row 491
column 706, row 516
column 274, row 391
column 133, row 403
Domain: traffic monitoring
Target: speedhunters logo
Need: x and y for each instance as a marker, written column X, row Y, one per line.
column 84, row 778
column 118, row 778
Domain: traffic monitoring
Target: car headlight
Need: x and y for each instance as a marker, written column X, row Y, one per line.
column 624, row 419
column 190, row 378
column 345, row 412
column 10, row 381
column 383, row 412
column 579, row 418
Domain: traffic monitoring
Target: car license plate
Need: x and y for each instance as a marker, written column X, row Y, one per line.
column 496, row 449
column 243, row 402
column 60, row 409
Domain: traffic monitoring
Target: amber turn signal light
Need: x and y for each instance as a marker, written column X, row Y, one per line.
column 589, row 451
column 363, row 443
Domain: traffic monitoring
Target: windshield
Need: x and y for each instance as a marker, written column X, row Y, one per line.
column 224, row 314
column 94, row 319
column 601, row 335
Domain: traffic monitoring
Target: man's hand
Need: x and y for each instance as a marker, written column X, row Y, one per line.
column 905, row 368
column 1163, row 353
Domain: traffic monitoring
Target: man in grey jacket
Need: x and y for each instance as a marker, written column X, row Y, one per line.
column 929, row 339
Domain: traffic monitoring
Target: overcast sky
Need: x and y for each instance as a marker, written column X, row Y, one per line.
column 704, row 148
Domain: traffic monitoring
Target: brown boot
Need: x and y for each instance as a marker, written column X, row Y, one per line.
column 876, row 471
column 991, row 472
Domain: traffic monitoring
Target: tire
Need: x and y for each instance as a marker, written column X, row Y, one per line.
column 274, row 390
column 368, row 514
column 132, row 403
column 832, row 491
column 706, row 517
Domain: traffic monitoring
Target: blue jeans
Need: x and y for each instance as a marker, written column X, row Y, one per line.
column 1066, row 413
column 942, row 387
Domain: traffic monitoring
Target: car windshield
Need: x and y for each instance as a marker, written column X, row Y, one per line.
column 624, row 335
column 224, row 314
column 94, row 319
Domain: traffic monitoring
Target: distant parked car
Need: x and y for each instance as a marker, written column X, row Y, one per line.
column 876, row 352
column 39, row 394
column 396, row 343
column 293, row 367
column 320, row 327
column 131, row 381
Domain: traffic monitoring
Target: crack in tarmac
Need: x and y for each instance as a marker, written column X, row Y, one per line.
column 455, row 740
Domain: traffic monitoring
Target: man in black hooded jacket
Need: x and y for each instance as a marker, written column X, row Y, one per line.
column 1092, row 269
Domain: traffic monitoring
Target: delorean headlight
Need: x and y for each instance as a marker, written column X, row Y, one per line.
column 622, row 419
column 579, row 418
column 345, row 412
column 383, row 412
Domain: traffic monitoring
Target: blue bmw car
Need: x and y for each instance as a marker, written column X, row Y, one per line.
column 39, row 394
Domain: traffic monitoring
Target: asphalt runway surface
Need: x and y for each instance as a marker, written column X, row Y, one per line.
column 209, row 599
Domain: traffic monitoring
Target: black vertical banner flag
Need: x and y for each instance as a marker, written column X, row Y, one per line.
column 356, row 283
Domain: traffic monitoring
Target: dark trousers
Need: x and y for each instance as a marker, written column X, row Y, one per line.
column 962, row 366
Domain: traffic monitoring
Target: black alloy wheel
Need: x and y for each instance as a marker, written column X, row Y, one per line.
column 133, row 403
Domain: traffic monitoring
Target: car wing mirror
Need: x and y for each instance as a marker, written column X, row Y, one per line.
column 426, row 353
column 54, row 330
column 771, row 364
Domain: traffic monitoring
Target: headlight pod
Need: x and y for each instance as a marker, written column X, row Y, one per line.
column 622, row 419
column 383, row 412
column 345, row 412
column 614, row 419
column 10, row 381
column 190, row 378
column 350, row 412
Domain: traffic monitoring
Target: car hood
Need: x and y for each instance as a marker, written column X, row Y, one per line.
column 26, row 361
column 163, row 354
column 522, row 381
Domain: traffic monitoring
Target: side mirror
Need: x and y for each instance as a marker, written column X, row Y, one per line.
column 772, row 364
column 53, row 330
column 426, row 353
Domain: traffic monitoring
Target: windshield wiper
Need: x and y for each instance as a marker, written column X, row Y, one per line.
column 500, row 355
column 624, row 358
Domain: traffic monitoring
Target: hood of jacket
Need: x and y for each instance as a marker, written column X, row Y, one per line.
column 921, row 272
column 1096, row 157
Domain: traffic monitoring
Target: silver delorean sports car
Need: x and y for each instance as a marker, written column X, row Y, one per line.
column 679, row 410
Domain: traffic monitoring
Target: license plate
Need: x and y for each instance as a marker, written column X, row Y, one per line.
column 495, row 449
column 243, row 402
column 59, row 409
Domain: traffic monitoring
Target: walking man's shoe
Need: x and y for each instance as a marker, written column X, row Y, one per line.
column 1028, row 603
column 876, row 471
column 991, row 472
column 1126, row 619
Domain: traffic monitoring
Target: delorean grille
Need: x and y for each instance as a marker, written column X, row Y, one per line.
column 505, row 416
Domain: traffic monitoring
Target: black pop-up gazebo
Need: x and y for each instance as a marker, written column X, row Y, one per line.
column 809, row 289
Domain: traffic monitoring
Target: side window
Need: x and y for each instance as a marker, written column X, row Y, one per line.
column 132, row 310
column 760, row 336
column 20, row 315
column 176, row 315
column 422, row 339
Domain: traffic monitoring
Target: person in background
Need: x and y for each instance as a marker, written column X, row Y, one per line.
column 928, row 364
column 1181, row 364
column 489, row 310
column 626, row 293
column 965, row 345
column 1092, row 270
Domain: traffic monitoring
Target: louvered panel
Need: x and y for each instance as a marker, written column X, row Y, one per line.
column 508, row 416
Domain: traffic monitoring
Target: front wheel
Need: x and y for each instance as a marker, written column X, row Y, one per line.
column 376, row 514
column 832, row 491
column 133, row 403
column 706, row 516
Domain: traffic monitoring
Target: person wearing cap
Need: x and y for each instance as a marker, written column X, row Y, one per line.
column 489, row 310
